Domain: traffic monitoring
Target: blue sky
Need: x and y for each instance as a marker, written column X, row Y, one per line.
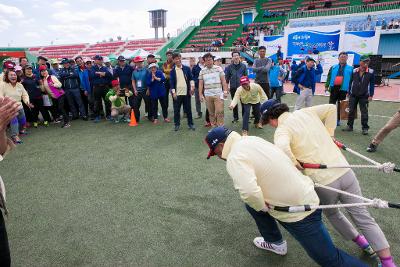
column 41, row 22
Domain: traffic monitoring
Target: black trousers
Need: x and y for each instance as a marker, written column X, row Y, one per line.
column 187, row 108
column 5, row 258
column 99, row 93
column 265, row 87
column 137, row 102
column 60, row 106
column 38, row 107
column 336, row 96
column 236, row 109
column 154, row 108
column 353, row 102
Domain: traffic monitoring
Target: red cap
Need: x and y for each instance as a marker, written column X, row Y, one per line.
column 114, row 83
column 138, row 59
column 8, row 65
column 42, row 67
column 244, row 80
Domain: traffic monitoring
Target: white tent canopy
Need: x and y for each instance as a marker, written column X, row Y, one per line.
column 138, row 52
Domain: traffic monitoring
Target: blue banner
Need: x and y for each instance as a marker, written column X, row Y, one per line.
column 303, row 42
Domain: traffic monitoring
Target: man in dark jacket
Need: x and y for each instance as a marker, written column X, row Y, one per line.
column 361, row 92
column 233, row 73
column 195, row 73
column 70, row 80
column 100, row 78
column 123, row 72
column 182, row 88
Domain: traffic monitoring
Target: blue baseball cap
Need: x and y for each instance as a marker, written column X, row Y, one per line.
column 267, row 106
column 216, row 136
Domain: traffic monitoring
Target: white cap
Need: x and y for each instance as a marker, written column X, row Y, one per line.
column 106, row 59
column 217, row 58
column 153, row 65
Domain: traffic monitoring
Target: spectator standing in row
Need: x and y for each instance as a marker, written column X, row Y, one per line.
column 277, row 76
column 213, row 88
column 156, row 85
column 55, row 67
column 85, row 88
column 261, row 68
column 233, row 73
column 100, row 78
column 166, row 68
column 15, row 90
column 338, row 82
column 51, row 86
column 140, row 89
column 69, row 77
column 31, row 85
column 182, row 89
column 195, row 73
column 361, row 92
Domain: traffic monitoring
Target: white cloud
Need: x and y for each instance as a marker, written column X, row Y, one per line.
column 27, row 22
column 59, row 4
column 33, row 35
column 10, row 11
column 4, row 24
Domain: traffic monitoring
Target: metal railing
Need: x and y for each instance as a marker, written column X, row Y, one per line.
column 344, row 10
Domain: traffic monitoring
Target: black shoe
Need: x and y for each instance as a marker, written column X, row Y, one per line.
column 75, row 118
column 372, row 148
column 191, row 127
column 348, row 129
column 364, row 131
column 235, row 121
column 176, row 128
column 85, row 118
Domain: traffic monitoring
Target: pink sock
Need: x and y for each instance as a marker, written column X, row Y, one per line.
column 387, row 262
column 361, row 241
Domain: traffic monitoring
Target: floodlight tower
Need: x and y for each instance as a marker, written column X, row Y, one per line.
column 158, row 19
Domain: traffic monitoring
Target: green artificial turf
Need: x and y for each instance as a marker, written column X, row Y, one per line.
column 113, row 195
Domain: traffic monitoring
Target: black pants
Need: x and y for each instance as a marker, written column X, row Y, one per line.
column 277, row 91
column 154, row 108
column 137, row 102
column 336, row 96
column 5, row 258
column 38, row 107
column 60, row 106
column 88, row 103
column 265, row 87
column 167, row 88
column 246, row 115
column 99, row 93
column 187, row 108
column 353, row 102
column 236, row 109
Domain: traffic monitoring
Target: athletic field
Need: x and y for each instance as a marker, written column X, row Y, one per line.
column 113, row 195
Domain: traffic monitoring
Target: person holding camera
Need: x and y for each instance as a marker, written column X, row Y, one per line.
column 116, row 95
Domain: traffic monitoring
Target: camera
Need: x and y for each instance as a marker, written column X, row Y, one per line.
column 121, row 92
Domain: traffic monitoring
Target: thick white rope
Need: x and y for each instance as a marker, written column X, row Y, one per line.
column 375, row 203
column 387, row 167
column 362, row 156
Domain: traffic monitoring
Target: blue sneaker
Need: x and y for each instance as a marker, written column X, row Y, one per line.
column 97, row 119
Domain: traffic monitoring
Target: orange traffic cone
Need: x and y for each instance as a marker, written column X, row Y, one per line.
column 133, row 119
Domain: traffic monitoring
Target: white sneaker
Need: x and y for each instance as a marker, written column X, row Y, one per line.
column 280, row 249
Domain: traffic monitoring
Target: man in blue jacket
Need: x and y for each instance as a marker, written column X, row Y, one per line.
column 361, row 92
column 70, row 80
column 304, row 83
column 338, row 82
column 100, row 78
column 182, row 88
column 86, row 90
column 140, row 89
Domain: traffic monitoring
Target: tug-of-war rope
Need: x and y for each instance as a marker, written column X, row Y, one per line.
column 386, row 167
